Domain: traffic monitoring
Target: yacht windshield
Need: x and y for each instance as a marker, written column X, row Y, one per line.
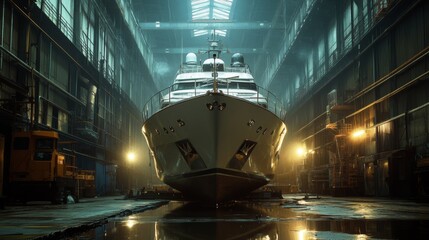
column 209, row 85
column 242, row 85
column 183, row 86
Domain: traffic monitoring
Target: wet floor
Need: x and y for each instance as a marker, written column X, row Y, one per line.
column 290, row 218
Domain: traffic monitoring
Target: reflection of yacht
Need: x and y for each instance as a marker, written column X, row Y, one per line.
column 214, row 134
column 223, row 229
column 199, row 222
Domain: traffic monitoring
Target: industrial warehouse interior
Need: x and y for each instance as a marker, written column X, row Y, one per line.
column 214, row 119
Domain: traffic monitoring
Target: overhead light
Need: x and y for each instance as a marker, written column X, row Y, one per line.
column 200, row 32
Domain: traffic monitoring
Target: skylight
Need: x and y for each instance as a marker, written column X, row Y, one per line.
column 210, row 10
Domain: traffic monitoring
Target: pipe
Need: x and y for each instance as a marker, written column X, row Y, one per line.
column 90, row 105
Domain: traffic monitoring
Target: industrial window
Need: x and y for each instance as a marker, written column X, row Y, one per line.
column 66, row 18
column 412, row 25
column 54, row 116
column 321, row 57
column 61, row 13
column 50, row 8
column 63, row 121
column 365, row 14
column 45, row 55
column 106, row 53
column 385, row 137
column 380, row 7
column 347, row 26
column 309, row 67
column 383, row 57
column 418, row 127
column 109, row 108
column 355, row 17
column 87, row 35
column 297, row 83
column 102, row 49
column 332, row 43
column 60, row 67
column 287, row 97
column 54, row 65
column 110, row 71
column 102, row 104
column 48, row 113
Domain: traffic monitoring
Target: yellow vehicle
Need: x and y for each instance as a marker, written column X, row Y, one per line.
column 38, row 171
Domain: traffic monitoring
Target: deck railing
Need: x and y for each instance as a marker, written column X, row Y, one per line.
column 165, row 97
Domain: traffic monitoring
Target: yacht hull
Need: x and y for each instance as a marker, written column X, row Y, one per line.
column 214, row 147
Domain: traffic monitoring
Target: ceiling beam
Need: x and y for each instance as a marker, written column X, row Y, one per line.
column 203, row 50
column 224, row 25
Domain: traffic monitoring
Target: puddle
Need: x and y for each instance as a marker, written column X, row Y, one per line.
column 246, row 220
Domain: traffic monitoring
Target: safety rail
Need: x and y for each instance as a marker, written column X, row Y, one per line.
column 261, row 96
column 198, row 68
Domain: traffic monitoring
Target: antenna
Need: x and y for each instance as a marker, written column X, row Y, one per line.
column 215, row 89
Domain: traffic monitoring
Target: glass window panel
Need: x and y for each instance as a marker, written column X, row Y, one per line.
column 50, row 8
column 45, row 143
column 66, row 18
column 202, row 9
column 63, row 121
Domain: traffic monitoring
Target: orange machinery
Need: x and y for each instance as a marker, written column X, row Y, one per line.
column 38, row 171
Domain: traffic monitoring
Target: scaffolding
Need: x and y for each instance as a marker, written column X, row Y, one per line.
column 343, row 170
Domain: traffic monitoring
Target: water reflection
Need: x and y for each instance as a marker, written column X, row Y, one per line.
column 236, row 221
column 265, row 221
column 216, row 230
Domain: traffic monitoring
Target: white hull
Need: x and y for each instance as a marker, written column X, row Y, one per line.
column 214, row 147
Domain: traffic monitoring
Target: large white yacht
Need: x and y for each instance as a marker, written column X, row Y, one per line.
column 214, row 134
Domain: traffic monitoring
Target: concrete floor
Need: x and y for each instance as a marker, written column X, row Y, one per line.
column 321, row 218
column 358, row 207
column 37, row 219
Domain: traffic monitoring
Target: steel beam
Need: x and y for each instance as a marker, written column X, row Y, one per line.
column 209, row 25
column 204, row 49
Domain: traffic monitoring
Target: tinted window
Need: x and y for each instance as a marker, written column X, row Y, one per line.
column 205, row 85
column 183, row 86
column 209, row 67
column 233, row 85
column 21, row 143
column 45, row 143
column 250, row 86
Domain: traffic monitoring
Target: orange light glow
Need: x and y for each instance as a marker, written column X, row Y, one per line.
column 359, row 133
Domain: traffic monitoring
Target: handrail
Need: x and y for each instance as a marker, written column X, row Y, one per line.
column 263, row 97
